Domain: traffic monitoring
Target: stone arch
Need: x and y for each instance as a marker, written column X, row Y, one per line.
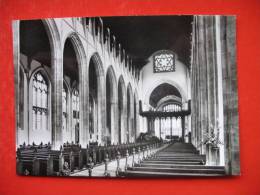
column 167, row 100
column 111, row 106
column 67, row 85
column 52, row 33
column 83, row 99
column 97, row 64
column 79, row 49
column 54, row 37
column 167, row 81
column 122, row 125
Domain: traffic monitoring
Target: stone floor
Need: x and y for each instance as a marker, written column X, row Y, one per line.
column 98, row 171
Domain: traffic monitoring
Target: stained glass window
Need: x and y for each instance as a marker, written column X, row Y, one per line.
column 164, row 62
column 40, row 102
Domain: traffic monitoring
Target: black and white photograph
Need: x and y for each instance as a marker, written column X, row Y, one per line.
column 126, row 96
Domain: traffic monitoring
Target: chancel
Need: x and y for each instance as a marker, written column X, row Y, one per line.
column 136, row 96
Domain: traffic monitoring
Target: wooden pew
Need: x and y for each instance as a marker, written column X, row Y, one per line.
column 35, row 160
column 72, row 154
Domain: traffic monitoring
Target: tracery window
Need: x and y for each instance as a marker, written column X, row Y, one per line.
column 40, row 102
column 64, row 107
column 164, row 62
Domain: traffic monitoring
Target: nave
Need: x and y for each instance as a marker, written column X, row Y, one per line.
column 87, row 92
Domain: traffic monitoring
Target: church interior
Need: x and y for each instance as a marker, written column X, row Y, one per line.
column 136, row 96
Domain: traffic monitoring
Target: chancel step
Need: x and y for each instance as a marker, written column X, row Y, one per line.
column 162, row 174
column 174, row 162
column 180, row 166
column 178, row 159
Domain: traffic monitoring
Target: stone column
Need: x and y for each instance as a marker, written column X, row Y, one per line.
column 124, row 125
column 137, row 120
column 101, row 108
column 84, row 105
column 16, row 53
column 114, row 122
column 57, row 75
column 230, row 98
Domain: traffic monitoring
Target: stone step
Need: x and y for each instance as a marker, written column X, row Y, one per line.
column 175, row 154
column 165, row 174
column 180, row 151
column 203, row 170
column 179, row 157
column 180, row 166
column 173, row 162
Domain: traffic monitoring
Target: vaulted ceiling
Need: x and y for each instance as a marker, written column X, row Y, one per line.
column 141, row 36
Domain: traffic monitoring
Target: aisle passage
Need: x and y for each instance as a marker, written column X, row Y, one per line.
column 99, row 170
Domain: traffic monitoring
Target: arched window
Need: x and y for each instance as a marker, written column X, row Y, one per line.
column 64, row 107
column 75, row 110
column 40, row 102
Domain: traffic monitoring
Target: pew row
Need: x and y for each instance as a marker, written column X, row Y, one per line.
column 42, row 160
